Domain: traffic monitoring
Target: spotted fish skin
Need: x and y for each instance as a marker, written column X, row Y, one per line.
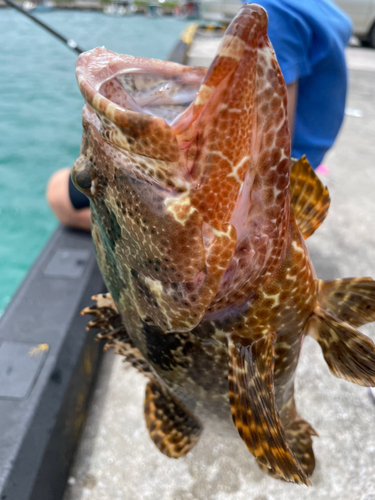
column 201, row 251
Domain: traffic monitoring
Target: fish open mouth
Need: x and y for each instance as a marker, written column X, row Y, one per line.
column 152, row 87
column 156, row 94
column 136, row 99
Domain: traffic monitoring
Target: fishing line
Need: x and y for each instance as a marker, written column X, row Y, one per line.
column 68, row 42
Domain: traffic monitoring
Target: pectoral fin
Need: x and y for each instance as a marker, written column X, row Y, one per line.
column 309, row 198
column 253, row 407
column 350, row 299
column 173, row 429
column 349, row 354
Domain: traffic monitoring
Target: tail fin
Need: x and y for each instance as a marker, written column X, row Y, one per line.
column 348, row 353
column 173, row 428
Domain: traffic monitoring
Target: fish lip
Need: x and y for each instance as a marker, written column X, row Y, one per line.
column 255, row 9
column 97, row 66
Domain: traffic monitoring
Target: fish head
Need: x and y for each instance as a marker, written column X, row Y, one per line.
column 182, row 166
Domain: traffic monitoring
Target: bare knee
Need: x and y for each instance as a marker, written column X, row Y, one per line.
column 59, row 201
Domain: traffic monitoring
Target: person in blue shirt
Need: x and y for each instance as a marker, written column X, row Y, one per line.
column 309, row 38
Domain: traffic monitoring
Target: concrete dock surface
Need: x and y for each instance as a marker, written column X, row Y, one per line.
column 116, row 459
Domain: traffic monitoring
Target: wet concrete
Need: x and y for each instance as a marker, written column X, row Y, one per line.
column 118, row 461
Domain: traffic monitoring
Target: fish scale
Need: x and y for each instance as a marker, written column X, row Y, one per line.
column 199, row 228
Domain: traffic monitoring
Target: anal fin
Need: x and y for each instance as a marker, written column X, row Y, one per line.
column 298, row 433
column 173, row 429
column 253, row 407
column 308, row 197
column 349, row 354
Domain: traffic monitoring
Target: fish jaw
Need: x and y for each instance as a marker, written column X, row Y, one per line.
column 235, row 135
column 105, row 80
column 236, row 143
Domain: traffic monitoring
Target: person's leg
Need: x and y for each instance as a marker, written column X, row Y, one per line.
column 61, row 204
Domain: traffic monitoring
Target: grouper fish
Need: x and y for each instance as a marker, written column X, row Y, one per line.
column 199, row 217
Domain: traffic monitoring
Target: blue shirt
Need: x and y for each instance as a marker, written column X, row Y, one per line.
column 309, row 38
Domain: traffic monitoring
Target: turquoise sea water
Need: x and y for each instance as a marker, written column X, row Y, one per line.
column 40, row 122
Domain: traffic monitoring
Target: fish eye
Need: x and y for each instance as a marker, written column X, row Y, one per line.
column 83, row 179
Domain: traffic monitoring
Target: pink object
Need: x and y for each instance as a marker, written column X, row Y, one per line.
column 322, row 169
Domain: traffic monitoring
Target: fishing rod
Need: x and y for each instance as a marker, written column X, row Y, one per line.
column 68, row 42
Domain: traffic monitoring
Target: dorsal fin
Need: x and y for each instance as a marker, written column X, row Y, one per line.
column 308, row 197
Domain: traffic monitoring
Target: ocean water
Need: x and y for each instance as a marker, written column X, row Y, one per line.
column 40, row 116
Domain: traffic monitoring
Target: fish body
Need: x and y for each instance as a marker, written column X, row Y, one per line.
column 199, row 218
